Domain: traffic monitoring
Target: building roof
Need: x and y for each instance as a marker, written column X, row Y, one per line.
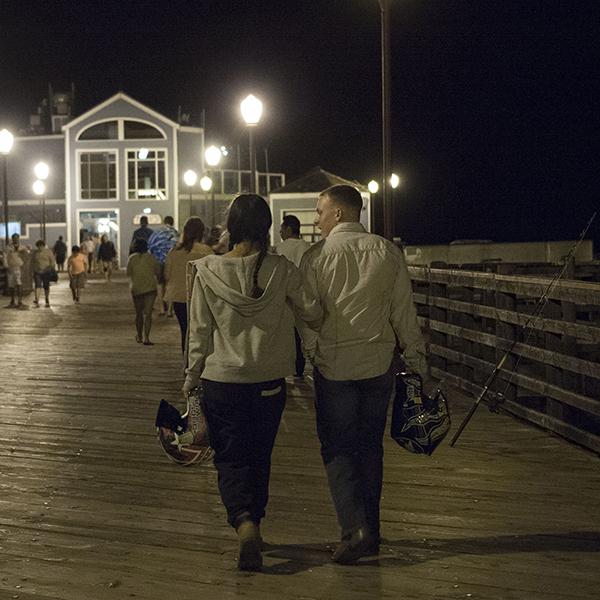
column 316, row 180
column 115, row 98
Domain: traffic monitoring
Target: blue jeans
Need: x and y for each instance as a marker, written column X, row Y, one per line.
column 351, row 418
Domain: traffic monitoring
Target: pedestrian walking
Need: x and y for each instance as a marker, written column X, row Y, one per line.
column 143, row 232
column 240, row 348
column 293, row 247
column 14, row 259
column 88, row 247
column 77, row 266
column 106, row 255
column 190, row 248
column 43, row 265
column 60, row 253
column 143, row 271
column 363, row 286
column 160, row 243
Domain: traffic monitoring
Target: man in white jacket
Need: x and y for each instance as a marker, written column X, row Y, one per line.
column 365, row 291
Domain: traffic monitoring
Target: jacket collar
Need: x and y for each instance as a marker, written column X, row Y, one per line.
column 344, row 227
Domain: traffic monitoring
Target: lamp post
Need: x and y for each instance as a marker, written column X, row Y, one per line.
column 189, row 178
column 388, row 209
column 6, row 143
column 251, row 108
column 41, row 171
column 39, row 189
column 212, row 156
column 206, row 185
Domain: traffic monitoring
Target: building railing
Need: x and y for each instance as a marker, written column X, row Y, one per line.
column 552, row 377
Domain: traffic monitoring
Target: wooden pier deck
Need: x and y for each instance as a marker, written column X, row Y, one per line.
column 90, row 509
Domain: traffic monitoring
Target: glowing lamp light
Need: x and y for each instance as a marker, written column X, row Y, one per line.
column 206, row 184
column 251, row 108
column 224, row 150
column 373, row 186
column 7, row 139
column 143, row 153
column 212, row 155
column 41, row 171
column 394, row 180
column 147, row 211
column 190, row 177
column 39, row 188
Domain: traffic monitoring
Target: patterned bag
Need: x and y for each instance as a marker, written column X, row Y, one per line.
column 184, row 438
column 419, row 423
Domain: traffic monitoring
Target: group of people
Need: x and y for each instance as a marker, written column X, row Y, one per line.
column 349, row 303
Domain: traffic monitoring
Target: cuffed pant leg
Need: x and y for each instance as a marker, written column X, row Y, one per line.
column 337, row 408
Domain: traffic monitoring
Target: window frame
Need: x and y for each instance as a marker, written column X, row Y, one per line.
column 79, row 152
column 121, row 130
column 166, row 183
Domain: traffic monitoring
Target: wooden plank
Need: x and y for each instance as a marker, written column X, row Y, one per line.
column 578, row 292
column 581, row 331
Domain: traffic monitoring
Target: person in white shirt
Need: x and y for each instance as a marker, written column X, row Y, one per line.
column 365, row 292
column 14, row 259
column 293, row 248
column 88, row 248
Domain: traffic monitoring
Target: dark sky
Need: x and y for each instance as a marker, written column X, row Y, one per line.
column 494, row 106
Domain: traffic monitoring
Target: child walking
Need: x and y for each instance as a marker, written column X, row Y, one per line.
column 76, row 267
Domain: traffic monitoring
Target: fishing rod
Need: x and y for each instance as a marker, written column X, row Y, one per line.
column 539, row 307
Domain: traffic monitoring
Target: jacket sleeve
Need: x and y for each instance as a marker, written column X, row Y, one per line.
column 403, row 319
column 200, row 334
column 309, row 331
column 304, row 301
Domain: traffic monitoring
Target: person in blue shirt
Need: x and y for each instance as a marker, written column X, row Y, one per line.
column 160, row 243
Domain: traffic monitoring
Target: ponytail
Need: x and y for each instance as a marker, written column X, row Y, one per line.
column 256, row 289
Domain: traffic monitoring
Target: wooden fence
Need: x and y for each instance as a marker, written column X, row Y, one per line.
column 552, row 376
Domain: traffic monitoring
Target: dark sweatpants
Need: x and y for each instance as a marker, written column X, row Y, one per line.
column 243, row 419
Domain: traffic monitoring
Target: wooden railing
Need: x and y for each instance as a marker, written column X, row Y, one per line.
column 552, row 376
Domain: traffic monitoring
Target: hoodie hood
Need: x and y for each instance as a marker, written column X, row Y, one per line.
column 231, row 280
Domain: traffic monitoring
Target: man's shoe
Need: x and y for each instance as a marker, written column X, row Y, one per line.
column 355, row 547
column 250, row 558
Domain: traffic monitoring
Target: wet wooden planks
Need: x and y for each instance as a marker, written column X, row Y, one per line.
column 89, row 507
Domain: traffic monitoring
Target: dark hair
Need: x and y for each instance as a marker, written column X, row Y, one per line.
column 346, row 195
column 75, row 249
column 60, row 237
column 140, row 245
column 144, row 220
column 193, row 231
column 249, row 220
column 169, row 220
column 40, row 243
column 292, row 222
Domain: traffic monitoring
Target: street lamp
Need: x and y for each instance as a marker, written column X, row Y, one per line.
column 189, row 178
column 373, row 186
column 41, row 171
column 251, row 108
column 212, row 156
column 7, row 140
column 394, row 181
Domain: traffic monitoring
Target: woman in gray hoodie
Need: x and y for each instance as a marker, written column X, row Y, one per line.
column 240, row 348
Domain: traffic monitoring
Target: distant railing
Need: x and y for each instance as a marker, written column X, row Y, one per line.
column 552, row 377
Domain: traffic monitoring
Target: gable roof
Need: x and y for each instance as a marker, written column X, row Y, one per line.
column 316, row 180
column 125, row 98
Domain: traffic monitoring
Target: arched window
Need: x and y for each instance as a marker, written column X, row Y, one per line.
column 135, row 130
column 108, row 130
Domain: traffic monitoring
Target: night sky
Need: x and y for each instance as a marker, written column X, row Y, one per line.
column 494, row 107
